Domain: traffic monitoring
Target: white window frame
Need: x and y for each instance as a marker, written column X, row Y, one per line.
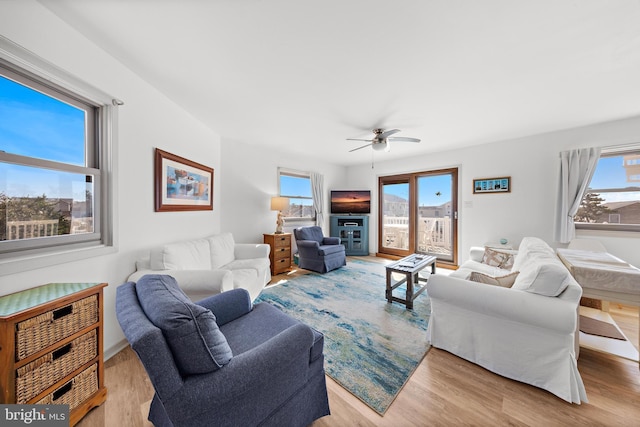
column 20, row 256
column 613, row 152
column 297, row 174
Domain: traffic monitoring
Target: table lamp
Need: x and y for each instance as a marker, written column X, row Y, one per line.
column 279, row 204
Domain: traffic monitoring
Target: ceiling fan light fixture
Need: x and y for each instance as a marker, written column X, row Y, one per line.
column 381, row 146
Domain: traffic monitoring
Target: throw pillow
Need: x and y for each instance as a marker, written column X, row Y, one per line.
column 547, row 279
column 197, row 344
column 503, row 281
column 498, row 259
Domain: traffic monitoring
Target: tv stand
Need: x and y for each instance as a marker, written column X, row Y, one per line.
column 353, row 231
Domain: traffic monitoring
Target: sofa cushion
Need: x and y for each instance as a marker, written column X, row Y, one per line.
column 531, row 248
column 503, row 281
column 496, row 258
column 191, row 331
column 546, row 278
column 187, row 255
column 222, row 247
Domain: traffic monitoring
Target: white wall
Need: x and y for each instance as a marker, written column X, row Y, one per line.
column 250, row 175
column 147, row 120
column 533, row 164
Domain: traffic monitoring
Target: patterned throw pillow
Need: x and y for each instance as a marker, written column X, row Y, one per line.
column 504, row 281
column 498, row 259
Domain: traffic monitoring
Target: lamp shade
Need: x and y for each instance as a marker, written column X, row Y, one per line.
column 279, row 203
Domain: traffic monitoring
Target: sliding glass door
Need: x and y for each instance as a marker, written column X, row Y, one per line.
column 418, row 214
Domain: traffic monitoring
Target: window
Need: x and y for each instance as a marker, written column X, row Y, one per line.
column 612, row 200
column 53, row 186
column 297, row 187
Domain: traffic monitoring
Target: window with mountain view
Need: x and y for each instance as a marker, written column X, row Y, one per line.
column 612, row 200
column 49, row 171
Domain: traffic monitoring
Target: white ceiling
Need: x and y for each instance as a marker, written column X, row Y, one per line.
column 304, row 76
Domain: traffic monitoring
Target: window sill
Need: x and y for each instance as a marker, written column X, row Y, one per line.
column 20, row 264
column 608, row 227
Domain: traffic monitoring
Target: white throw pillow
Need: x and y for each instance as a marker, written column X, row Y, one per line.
column 222, row 250
column 547, row 279
column 188, row 255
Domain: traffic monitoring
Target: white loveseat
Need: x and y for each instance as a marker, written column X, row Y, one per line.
column 526, row 332
column 211, row 265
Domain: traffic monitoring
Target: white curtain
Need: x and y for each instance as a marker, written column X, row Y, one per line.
column 317, row 191
column 576, row 171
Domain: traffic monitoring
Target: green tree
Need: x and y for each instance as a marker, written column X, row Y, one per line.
column 591, row 208
column 31, row 209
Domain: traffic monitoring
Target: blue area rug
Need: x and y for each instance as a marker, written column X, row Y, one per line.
column 371, row 347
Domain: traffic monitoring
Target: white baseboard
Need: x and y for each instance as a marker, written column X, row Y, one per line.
column 115, row 349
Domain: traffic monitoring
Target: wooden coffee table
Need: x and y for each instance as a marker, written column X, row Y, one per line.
column 409, row 267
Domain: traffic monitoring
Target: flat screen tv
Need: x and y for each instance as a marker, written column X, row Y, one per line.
column 350, row 202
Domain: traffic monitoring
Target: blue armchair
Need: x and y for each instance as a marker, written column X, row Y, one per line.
column 318, row 253
column 222, row 361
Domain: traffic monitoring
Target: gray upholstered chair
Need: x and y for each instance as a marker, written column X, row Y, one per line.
column 222, row 361
column 318, row 253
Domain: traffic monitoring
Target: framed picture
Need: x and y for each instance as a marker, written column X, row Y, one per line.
column 492, row 185
column 182, row 185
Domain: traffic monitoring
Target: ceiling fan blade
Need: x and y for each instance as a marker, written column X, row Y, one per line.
column 358, row 139
column 403, row 139
column 388, row 133
column 360, row 147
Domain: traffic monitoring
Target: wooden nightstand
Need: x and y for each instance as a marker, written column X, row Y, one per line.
column 280, row 254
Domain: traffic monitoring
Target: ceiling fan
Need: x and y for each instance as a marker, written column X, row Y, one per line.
column 381, row 140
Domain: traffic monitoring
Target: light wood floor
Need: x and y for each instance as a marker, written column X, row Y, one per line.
column 443, row 391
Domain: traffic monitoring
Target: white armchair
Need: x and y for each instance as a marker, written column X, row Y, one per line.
column 209, row 266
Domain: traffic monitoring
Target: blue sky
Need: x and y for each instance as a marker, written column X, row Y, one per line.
column 611, row 173
column 428, row 186
column 36, row 125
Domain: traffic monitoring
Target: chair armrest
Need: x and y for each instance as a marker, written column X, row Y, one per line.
column 476, row 253
column 251, row 250
column 331, row 241
column 229, row 305
column 308, row 247
column 278, row 365
column 504, row 303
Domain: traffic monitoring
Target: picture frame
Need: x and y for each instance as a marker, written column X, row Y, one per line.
column 181, row 184
column 492, row 185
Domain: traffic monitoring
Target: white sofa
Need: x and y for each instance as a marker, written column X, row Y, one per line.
column 211, row 265
column 526, row 332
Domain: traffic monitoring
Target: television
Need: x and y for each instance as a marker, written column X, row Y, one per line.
column 350, row 201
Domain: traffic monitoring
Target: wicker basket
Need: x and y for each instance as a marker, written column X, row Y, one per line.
column 34, row 377
column 76, row 391
column 48, row 328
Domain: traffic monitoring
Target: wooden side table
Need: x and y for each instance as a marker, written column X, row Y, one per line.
column 280, row 254
column 51, row 349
